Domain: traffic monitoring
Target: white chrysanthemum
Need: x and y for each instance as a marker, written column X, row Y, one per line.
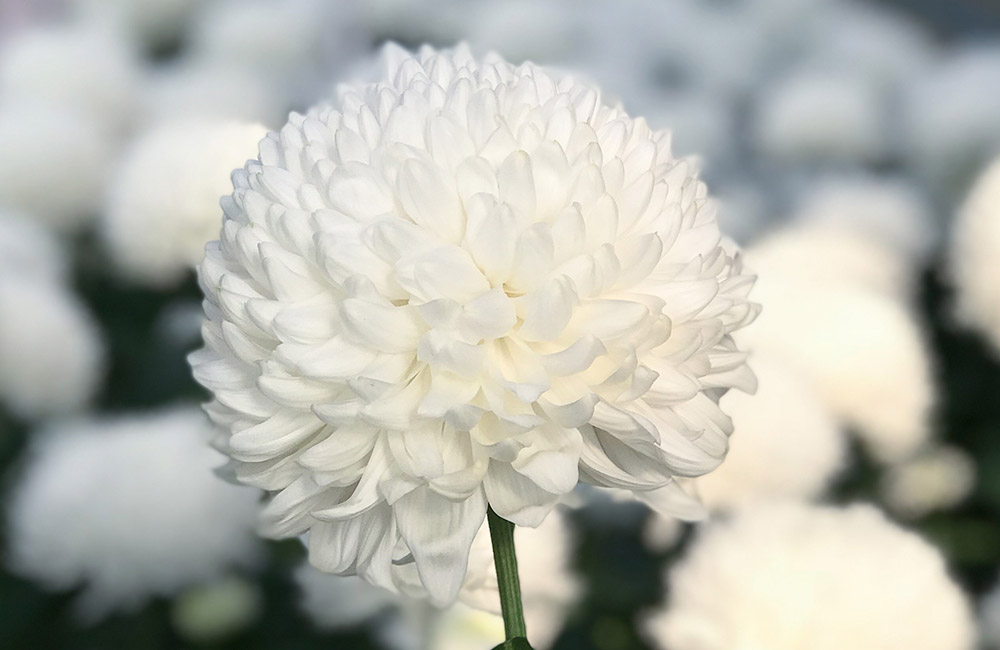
column 154, row 23
column 51, row 353
column 890, row 211
column 787, row 577
column 827, row 253
column 973, row 255
column 817, row 114
column 164, row 202
column 28, row 250
column 863, row 351
column 473, row 283
column 81, row 69
column 128, row 508
column 786, row 443
column 197, row 90
column 937, row 479
column 950, row 115
column 548, row 589
column 54, row 163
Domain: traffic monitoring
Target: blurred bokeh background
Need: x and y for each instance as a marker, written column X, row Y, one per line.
column 843, row 138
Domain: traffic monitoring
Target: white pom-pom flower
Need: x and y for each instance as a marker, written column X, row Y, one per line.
column 786, row 444
column 471, row 284
column 28, row 249
column 164, row 201
column 822, row 115
column 862, row 350
column 973, row 253
column 54, row 163
column 77, row 68
column 887, row 210
column 51, row 352
column 128, row 508
column 786, row 577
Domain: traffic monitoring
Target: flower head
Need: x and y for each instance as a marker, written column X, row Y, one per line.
column 790, row 576
column 127, row 509
column 472, row 283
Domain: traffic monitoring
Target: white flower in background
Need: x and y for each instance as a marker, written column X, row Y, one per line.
column 785, row 444
column 54, row 164
column 973, row 254
column 937, row 479
column 863, row 352
column 661, row 533
column 128, row 508
column 833, row 254
column 299, row 44
column 787, row 577
column 198, row 90
column 949, row 116
column 150, row 23
column 51, row 352
column 821, row 115
column 28, row 249
column 889, row 210
column 549, row 590
column 473, row 283
column 164, row 201
column 79, row 68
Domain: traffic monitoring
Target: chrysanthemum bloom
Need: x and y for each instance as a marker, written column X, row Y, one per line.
column 51, row 352
column 787, row 577
column 128, row 509
column 164, row 200
column 973, row 254
column 473, row 283
column 787, row 445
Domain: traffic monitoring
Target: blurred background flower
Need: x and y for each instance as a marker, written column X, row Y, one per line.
column 853, row 145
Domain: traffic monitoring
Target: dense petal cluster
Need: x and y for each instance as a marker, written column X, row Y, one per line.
column 785, row 577
column 472, row 283
column 127, row 509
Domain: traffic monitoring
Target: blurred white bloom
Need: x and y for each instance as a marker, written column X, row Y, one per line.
column 54, row 164
column 787, row 577
column 51, row 353
column 164, row 202
column 863, row 352
column 818, row 114
column 548, row 588
column 936, row 479
column 950, row 116
column 297, row 43
column 785, row 444
column 888, row 210
column 830, row 253
column 78, row 68
column 474, row 283
column 197, row 90
column 128, row 508
column 974, row 250
column 151, row 23
column 339, row 602
column 28, row 249
column 206, row 614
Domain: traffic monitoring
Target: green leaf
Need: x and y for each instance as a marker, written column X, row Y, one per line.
column 518, row 643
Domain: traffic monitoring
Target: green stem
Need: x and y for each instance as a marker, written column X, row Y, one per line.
column 502, row 536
